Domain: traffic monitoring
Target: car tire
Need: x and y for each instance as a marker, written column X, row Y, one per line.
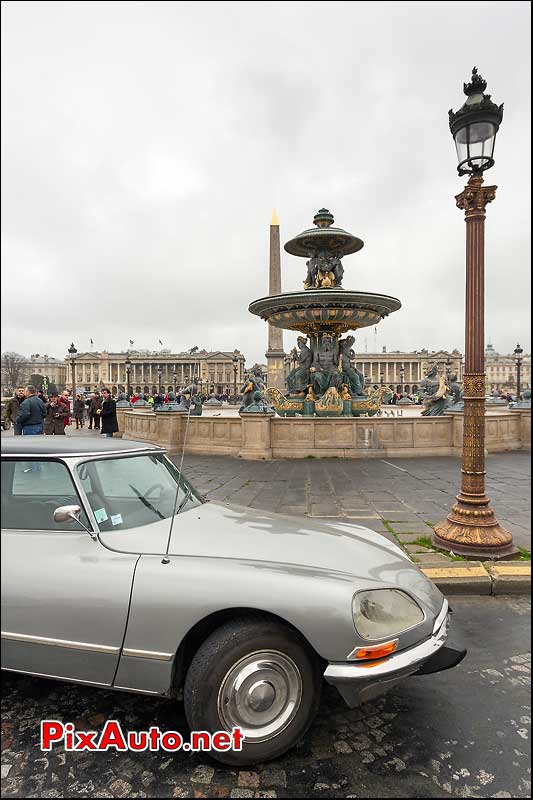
column 259, row 675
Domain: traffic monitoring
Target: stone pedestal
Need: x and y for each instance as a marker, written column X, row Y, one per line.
column 256, row 442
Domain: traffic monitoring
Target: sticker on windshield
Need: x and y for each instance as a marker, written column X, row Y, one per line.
column 100, row 515
column 116, row 519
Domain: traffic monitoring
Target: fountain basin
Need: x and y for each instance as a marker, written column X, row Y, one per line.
column 332, row 311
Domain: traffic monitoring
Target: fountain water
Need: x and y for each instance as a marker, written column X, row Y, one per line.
column 325, row 382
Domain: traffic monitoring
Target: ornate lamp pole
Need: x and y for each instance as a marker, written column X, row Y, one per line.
column 381, row 376
column 518, row 353
column 72, row 351
column 159, row 373
column 402, row 376
column 174, row 380
column 471, row 528
column 128, row 371
column 235, row 368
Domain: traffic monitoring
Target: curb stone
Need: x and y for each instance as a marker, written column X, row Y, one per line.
column 473, row 577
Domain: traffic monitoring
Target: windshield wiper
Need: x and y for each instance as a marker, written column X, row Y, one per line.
column 185, row 500
column 146, row 502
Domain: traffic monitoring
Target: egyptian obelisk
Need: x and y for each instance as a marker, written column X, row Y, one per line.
column 275, row 354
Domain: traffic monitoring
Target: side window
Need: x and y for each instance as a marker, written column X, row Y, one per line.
column 32, row 490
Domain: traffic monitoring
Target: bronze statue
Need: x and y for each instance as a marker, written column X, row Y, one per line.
column 351, row 376
column 254, row 383
column 435, row 391
column 298, row 378
column 324, row 370
column 259, row 405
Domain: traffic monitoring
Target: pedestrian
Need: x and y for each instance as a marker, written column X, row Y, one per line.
column 108, row 414
column 31, row 413
column 79, row 408
column 95, row 407
column 64, row 397
column 12, row 409
column 55, row 414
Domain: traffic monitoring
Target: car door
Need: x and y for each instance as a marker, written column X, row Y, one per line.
column 65, row 597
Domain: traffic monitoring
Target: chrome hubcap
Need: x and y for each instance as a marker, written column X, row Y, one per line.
column 261, row 694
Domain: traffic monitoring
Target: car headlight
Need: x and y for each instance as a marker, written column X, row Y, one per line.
column 382, row 612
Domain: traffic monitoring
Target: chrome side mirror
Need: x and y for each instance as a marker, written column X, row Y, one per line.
column 71, row 514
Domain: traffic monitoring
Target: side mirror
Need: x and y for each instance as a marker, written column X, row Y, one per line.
column 71, row 514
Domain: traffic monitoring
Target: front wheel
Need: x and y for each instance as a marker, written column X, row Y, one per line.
column 257, row 675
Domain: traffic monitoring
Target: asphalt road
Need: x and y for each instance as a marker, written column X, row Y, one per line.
column 460, row 733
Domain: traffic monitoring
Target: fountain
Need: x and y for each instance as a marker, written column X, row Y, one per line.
column 325, row 382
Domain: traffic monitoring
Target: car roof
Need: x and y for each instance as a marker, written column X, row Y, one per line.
column 72, row 446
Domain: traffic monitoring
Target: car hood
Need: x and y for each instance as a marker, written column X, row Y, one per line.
column 219, row 530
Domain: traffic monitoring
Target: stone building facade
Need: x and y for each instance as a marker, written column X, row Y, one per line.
column 501, row 372
column 53, row 369
column 214, row 369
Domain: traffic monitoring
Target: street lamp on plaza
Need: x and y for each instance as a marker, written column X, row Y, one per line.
column 381, row 376
column 128, row 371
column 174, row 379
column 402, row 376
column 159, row 373
column 471, row 528
column 72, row 352
column 518, row 354
column 235, row 368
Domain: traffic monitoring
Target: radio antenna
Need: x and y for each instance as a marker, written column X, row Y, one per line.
column 166, row 559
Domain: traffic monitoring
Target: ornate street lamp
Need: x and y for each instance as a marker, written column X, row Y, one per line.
column 471, row 528
column 128, row 371
column 72, row 352
column 235, row 368
column 159, row 373
column 381, row 376
column 402, row 376
column 174, row 380
column 518, row 354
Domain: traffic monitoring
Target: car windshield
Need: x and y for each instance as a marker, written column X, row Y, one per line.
column 129, row 492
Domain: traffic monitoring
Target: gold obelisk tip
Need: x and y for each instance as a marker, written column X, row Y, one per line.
column 275, row 220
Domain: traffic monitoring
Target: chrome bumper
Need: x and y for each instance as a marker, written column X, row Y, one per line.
column 360, row 682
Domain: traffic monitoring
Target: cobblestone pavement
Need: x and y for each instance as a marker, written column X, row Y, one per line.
column 460, row 733
column 404, row 496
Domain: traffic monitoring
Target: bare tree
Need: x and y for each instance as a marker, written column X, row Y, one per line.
column 13, row 370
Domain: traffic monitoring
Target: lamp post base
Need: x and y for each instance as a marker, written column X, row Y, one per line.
column 474, row 533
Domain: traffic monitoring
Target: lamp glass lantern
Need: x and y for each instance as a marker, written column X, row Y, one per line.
column 518, row 351
column 474, row 127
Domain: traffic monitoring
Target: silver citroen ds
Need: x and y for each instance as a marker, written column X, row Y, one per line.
column 117, row 573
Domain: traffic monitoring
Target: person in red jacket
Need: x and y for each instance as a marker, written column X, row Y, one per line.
column 65, row 398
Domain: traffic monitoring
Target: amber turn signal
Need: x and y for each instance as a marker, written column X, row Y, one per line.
column 375, row 650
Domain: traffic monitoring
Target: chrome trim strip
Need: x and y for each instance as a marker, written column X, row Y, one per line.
column 443, row 613
column 94, row 648
column 402, row 664
column 132, row 653
column 85, row 683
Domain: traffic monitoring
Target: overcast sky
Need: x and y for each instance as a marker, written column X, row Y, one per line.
column 144, row 146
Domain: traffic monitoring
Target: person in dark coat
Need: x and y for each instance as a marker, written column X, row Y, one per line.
column 108, row 414
column 56, row 412
column 95, row 407
column 31, row 413
column 79, row 408
column 13, row 407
